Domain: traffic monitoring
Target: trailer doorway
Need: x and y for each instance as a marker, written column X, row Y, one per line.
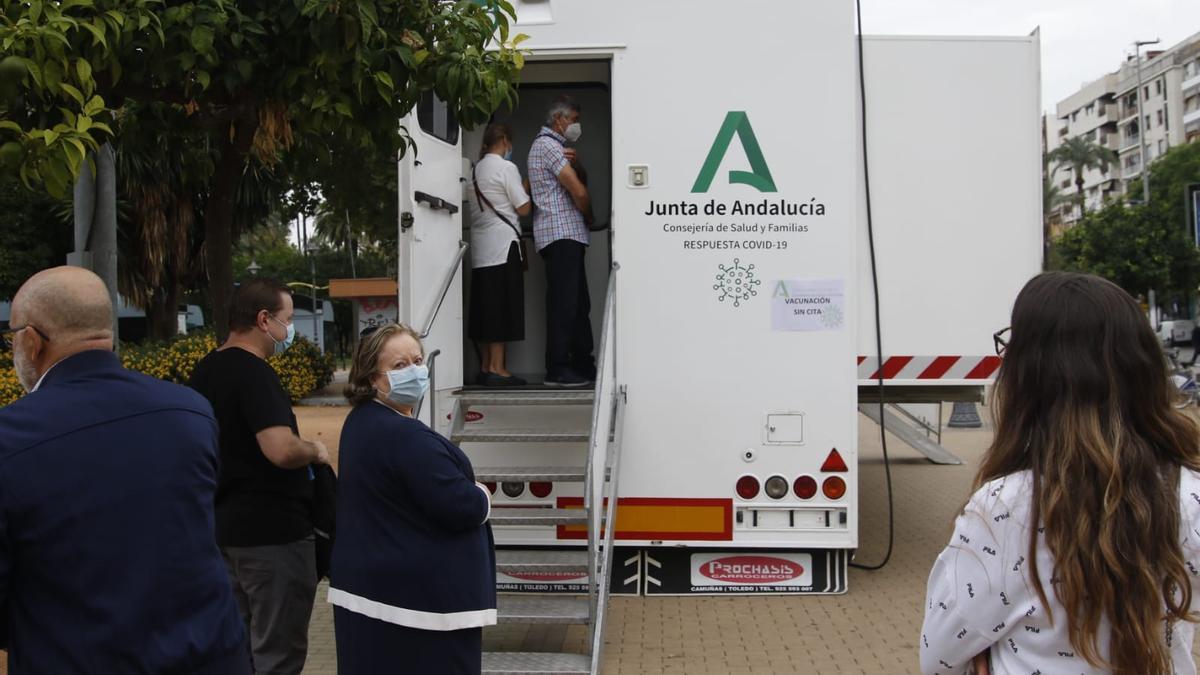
column 588, row 83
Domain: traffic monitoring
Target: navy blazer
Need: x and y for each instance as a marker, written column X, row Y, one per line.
column 413, row 544
column 108, row 557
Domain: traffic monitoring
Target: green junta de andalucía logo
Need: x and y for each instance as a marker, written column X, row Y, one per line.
column 759, row 177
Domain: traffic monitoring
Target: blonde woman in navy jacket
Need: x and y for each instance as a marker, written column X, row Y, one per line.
column 413, row 577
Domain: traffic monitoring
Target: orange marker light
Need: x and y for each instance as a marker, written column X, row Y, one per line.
column 834, row 487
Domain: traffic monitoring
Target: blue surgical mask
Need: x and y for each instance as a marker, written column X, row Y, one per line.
column 408, row 385
column 508, row 155
column 281, row 347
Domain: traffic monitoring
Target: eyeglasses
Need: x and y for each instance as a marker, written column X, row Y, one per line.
column 1000, row 337
column 6, row 336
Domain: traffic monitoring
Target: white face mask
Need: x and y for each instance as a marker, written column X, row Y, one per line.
column 573, row 132
column 26, row 372
column 290, row 336
column 407, row 386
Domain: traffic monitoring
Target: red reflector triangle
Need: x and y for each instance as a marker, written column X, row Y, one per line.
column 834, row 463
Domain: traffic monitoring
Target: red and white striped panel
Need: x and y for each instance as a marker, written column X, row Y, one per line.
column 929, row 367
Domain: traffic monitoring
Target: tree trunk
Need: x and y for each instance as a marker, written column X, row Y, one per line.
column 218, row 219
column 162, row 316
column 1079, row 189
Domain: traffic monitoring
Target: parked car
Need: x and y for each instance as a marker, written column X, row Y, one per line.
column 1175, row 332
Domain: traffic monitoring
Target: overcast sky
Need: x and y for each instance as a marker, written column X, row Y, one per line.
column 1081, row 39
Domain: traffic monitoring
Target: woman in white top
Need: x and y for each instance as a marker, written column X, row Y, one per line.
column 1080, row 548
column 497, row 276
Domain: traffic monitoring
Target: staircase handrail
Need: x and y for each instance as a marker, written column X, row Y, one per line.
column 604, row 576
column 598, row 443
column 447, row 281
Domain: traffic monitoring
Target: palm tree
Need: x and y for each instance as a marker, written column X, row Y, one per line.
column 162, row 174
column 1080, row 154
column 1052, row 197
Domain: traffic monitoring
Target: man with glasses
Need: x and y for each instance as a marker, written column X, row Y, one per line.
column 265, row 497
column 107, row 480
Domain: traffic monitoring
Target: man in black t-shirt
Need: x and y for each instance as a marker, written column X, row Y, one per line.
column 265, row 491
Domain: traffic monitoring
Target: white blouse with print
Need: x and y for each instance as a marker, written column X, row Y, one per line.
column 980, row 597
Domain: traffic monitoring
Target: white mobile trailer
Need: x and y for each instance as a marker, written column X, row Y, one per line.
column 741, row 323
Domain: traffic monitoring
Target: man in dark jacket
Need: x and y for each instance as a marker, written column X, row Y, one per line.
column 107, row 558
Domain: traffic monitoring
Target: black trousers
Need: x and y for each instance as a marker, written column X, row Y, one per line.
column 568, row 325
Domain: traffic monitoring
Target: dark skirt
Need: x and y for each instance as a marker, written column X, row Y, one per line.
column 498, row 301
column 367, row 646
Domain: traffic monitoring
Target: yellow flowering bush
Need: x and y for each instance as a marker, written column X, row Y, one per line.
column 10, row 388
column 172, row 361
column 302, row 369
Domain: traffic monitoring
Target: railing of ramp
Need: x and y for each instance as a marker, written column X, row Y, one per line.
column 600, row 486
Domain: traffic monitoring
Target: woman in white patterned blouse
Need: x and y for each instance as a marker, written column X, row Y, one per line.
column 1079, row 550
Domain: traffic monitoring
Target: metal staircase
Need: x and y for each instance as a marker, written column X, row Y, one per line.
column 596, row 468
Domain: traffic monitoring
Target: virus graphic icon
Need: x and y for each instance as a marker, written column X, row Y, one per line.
column 736, row 282
column 832, row 317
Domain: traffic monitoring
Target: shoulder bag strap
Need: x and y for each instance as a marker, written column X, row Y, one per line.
column 482, row 200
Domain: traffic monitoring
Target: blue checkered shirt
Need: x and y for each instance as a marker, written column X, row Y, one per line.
column 556, row 216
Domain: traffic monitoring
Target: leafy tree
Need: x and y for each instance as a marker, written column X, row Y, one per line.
column 255, row 79
column 1135, row 247
column 1170, row 175
column 1080, row 154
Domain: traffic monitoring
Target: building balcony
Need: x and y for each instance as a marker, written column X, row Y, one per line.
column 1108, row 111
column 1130, row 142
column 1193, row 116
column 1190, row 84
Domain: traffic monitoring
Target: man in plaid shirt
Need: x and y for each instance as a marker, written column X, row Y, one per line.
column 560, row 232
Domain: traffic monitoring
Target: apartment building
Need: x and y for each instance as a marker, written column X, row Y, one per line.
column 1091, row 113
column 1106, row 112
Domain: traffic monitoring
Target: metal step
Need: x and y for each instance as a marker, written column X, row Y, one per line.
column 525, row 474
column 528, row 398
column 913, row 437
column 536, row 516
column 519, row 436
column 535, row 663
column 541, row 609
column 542, row 562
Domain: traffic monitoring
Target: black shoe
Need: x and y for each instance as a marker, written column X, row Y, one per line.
column 495, row 380
column 566, row 379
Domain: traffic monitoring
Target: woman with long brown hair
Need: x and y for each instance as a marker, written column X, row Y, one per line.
column 1080, row 547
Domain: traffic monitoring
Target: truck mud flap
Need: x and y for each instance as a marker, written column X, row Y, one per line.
column 683, row 571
